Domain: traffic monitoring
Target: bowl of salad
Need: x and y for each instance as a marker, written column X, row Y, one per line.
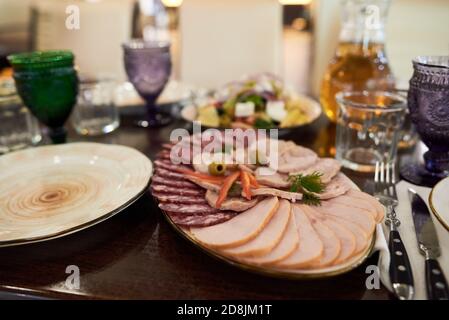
column 261, row 101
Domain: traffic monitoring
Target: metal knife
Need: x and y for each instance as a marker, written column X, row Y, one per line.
column 436, row 284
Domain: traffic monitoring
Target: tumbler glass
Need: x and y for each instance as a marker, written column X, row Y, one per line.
column 368, row 128
column 18, row 127
column 95, row 112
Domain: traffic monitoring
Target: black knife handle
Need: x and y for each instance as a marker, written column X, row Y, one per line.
column 400, row 268
column 436, row 284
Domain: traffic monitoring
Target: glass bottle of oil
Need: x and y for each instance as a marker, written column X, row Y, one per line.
column 360, row 62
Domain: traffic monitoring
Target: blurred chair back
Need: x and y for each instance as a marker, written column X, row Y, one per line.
column 104, row 26
column 223, row 40
column 414, row 27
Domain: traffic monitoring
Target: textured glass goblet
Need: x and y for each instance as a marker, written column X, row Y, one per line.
column 47, row 82
column 428, row 101
column 148, row 66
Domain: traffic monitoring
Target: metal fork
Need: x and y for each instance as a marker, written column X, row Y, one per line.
column 400, row 270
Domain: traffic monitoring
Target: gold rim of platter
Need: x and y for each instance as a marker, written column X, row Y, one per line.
column 432, row 208
column 269, row 271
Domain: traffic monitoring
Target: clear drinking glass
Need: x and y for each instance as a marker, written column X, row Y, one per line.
column 18, row 127
column 96, row 112
column 368, row 128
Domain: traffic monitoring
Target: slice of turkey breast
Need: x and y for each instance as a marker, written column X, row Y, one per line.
column 350, row 201
column 231, row 203
column 332, row 245
column 268, row 238
column 328, row 167
column 339, row 185
column 239, row 230
column 346, row 237
column 295, row 159
column 204, row 184
column 380, row 210
column 269, row 177
column 286, row 246
column 310, row 249
column 362, row 238
column 361, row 217
column 263, row 191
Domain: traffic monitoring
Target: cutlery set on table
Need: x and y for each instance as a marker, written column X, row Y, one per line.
column 400, row 269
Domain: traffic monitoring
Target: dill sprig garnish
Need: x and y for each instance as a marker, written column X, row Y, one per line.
column 309, row 185
column 311, row 182
column 310, row 199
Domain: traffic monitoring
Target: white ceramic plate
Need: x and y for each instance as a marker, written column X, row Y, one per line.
column 312, row 107
column 51, row 191
column 439, row 202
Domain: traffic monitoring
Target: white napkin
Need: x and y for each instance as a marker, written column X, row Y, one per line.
column 407, row 232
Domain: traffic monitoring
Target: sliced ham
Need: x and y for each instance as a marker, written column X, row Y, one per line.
column 263, row 191
column 346, row 237
column 269, row 177
column 380, row 210
column 328, row 167
column 350, row 201
column 286, row 246
column 332, row 244
column 361, row 239
column 339, row 185
column 360, row 217
column 231, row 203
column 239, row 230
column 310, row 249
column 203, row 184
column 268, row 238
column 295, row 159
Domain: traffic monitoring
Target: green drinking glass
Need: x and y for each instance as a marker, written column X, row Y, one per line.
column 47, row 82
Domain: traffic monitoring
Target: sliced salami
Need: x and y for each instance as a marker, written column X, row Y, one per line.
column 177, row 191
column 177, row 199
column 168, row 174
column 191, row 209
column 174, row 183
column 167, row 165
column 167, row 146
column 200, row 221
column 164, row 154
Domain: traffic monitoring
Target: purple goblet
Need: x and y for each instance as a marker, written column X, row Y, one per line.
column 428, row 101
column 148, row 66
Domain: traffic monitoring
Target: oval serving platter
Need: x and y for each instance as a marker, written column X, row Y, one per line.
column 52, row 191
column 278, row 273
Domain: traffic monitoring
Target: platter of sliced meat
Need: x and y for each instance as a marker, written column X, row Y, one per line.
column 295, row 217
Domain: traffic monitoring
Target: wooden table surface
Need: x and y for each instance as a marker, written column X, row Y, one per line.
column 136, row 254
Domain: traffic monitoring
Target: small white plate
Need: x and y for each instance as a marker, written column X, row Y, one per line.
column 439, row 202
column 51, row 191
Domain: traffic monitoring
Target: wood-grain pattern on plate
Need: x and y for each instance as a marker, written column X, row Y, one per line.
column 50, row 191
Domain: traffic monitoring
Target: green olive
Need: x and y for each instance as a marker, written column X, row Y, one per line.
column 217, row 169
